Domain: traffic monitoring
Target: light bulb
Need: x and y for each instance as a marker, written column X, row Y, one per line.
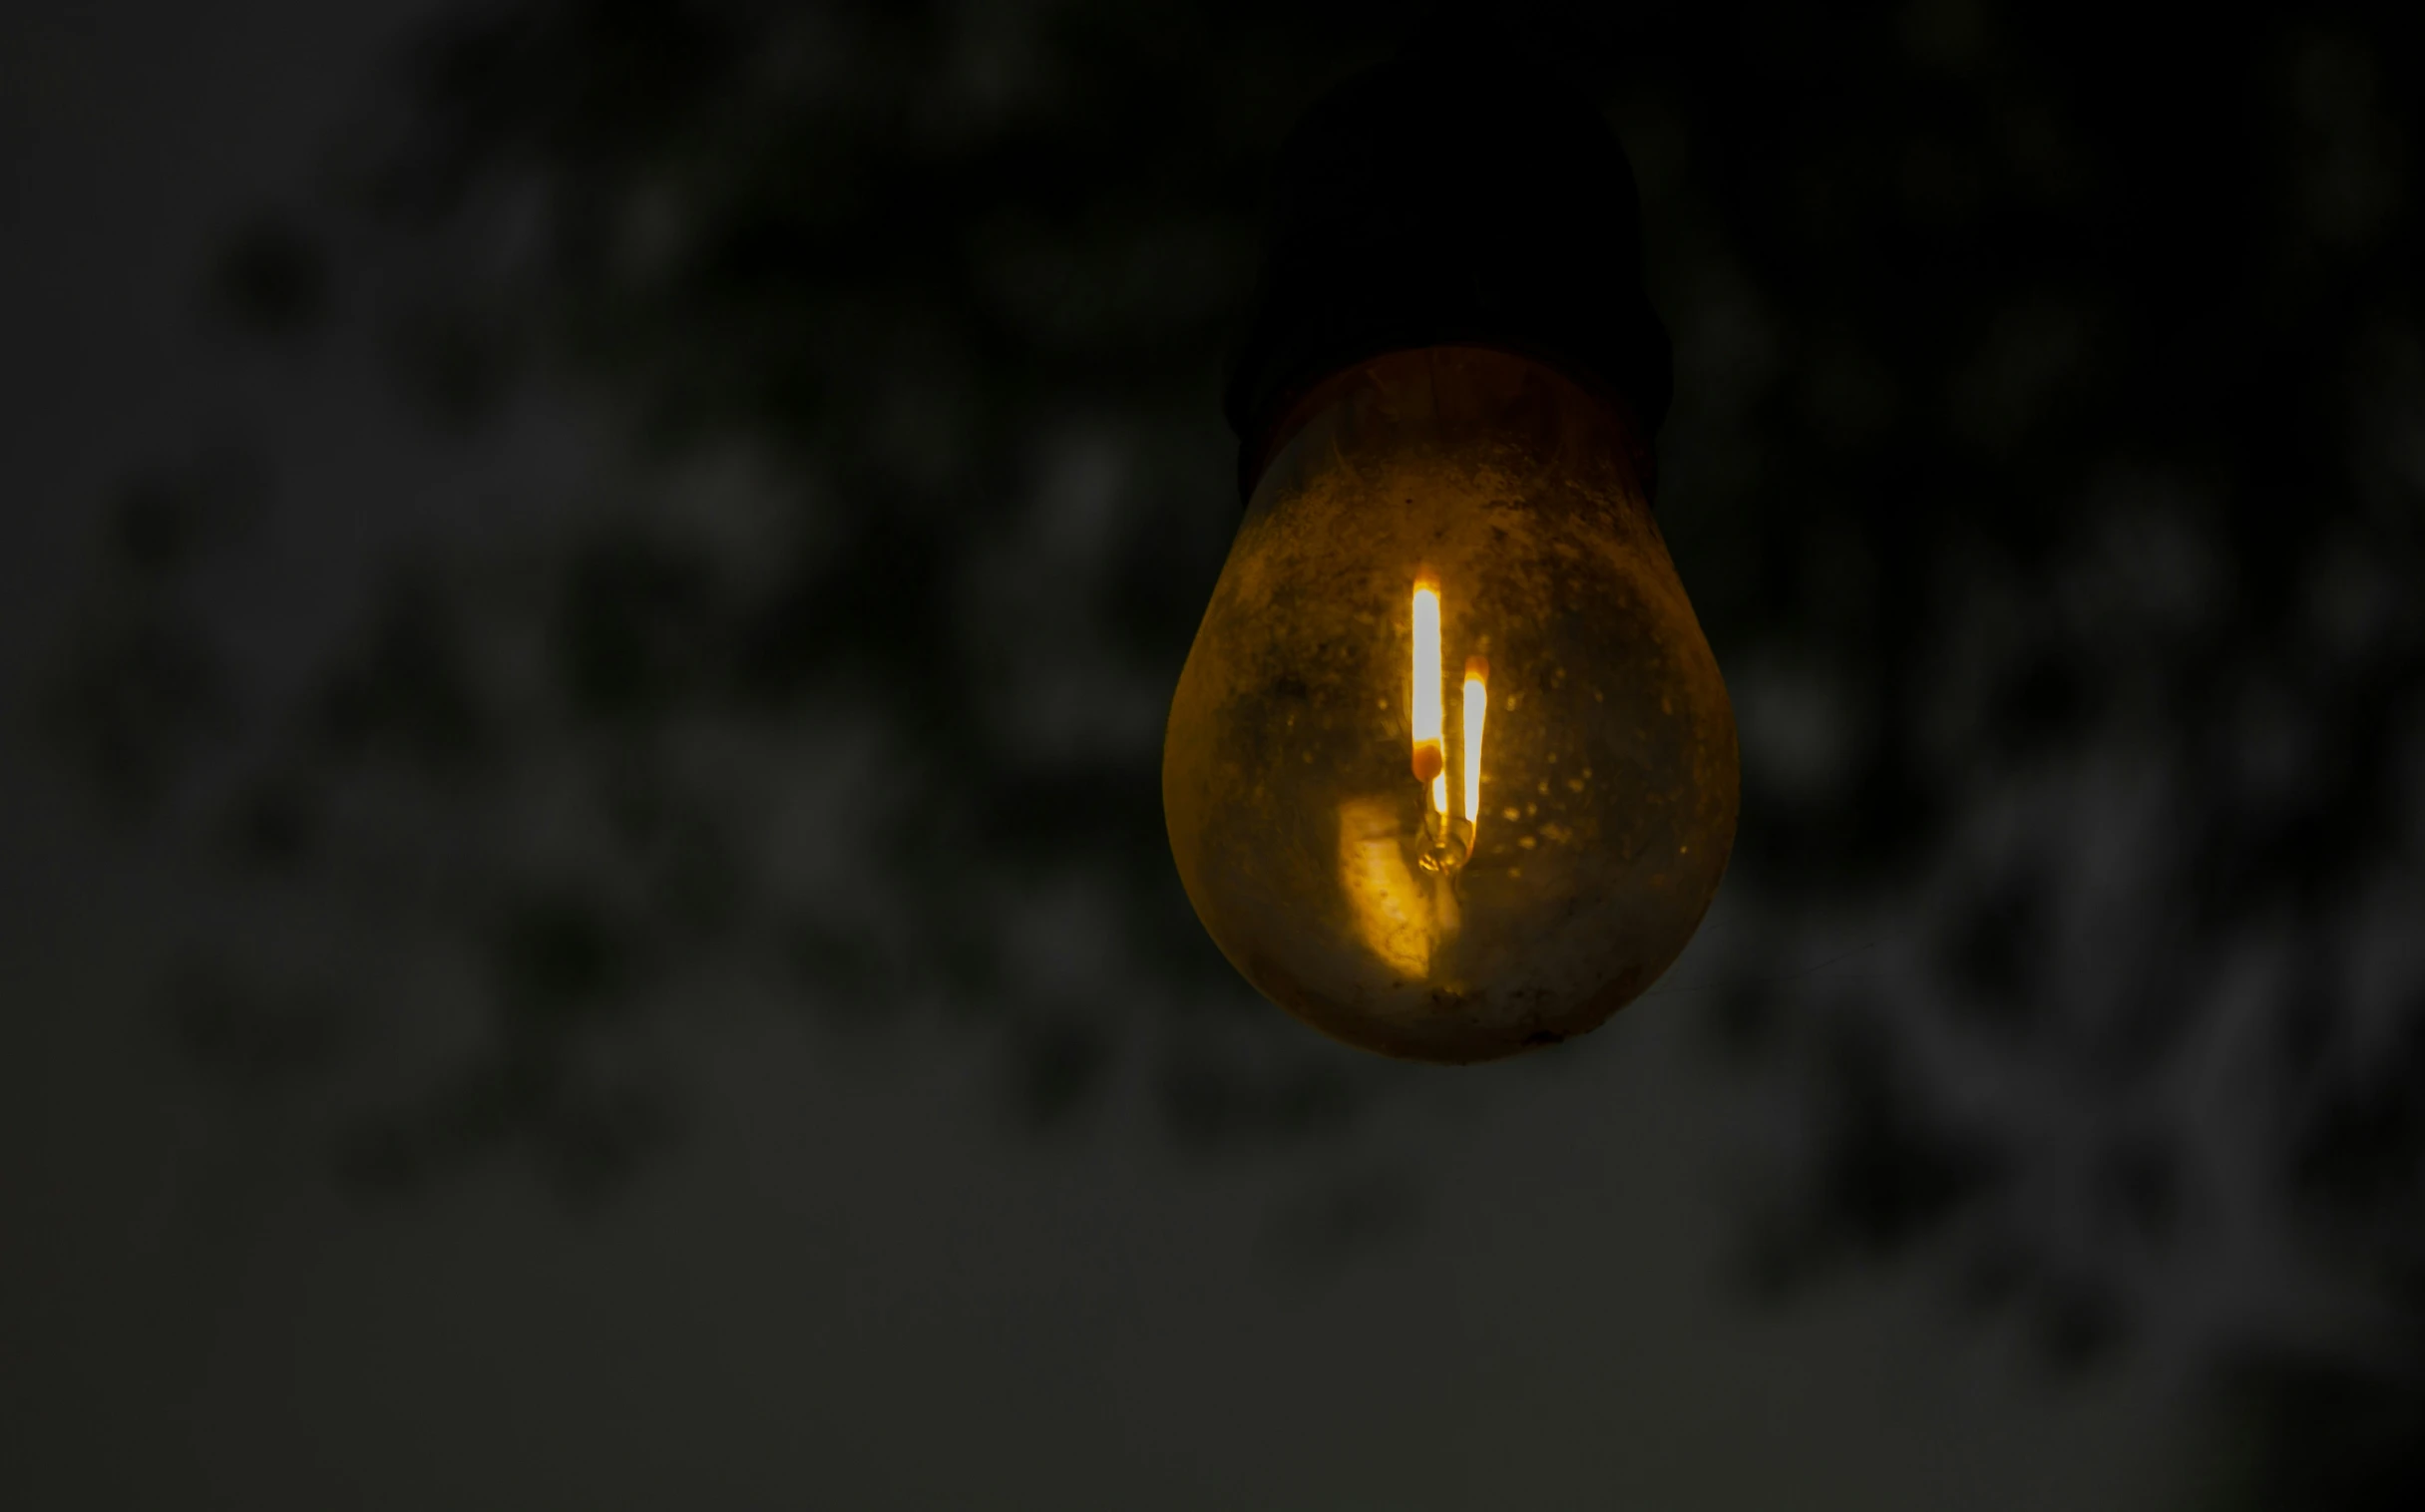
column 1450, row 771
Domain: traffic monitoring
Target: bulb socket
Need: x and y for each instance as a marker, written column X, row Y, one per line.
column 1451, row 196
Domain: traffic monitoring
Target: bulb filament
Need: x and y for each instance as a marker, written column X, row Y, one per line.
column 1430, row 758
column 1447, row 840
column 1477, row 676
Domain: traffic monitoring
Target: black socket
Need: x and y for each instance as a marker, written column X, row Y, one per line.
column 1450, row 197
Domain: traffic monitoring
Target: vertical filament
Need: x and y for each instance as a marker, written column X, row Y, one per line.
column 1477, row 676
column 1430, row 753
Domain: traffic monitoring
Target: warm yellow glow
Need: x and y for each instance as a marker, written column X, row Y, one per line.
column 1477, row 674
column 1362, row 905
column 1423, row 712
column 1392, row 910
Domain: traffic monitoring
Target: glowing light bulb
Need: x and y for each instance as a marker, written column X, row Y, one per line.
column 1446, row 395
column 1416, row 507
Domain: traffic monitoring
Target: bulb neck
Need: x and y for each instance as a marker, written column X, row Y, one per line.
column 1474, row 389
column 1473, row 398
column 1448, row 199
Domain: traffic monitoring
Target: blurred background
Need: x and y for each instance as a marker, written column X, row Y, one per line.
column 588, row 591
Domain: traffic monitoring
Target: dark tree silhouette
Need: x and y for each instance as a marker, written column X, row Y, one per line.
column 2048, row 467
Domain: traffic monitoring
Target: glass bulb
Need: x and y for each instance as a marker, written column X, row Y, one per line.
column 1446, row 870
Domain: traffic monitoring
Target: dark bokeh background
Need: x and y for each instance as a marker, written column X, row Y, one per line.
column 589, row 592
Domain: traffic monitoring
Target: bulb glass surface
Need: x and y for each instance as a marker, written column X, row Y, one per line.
column 1325, row 786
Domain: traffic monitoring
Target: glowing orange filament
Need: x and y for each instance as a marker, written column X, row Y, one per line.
column 1431, row 750
column 1477, row 676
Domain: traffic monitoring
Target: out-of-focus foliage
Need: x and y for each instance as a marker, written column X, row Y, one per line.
column 2048, row 468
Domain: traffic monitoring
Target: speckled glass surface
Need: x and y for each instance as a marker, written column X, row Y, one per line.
column 1311, row 849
